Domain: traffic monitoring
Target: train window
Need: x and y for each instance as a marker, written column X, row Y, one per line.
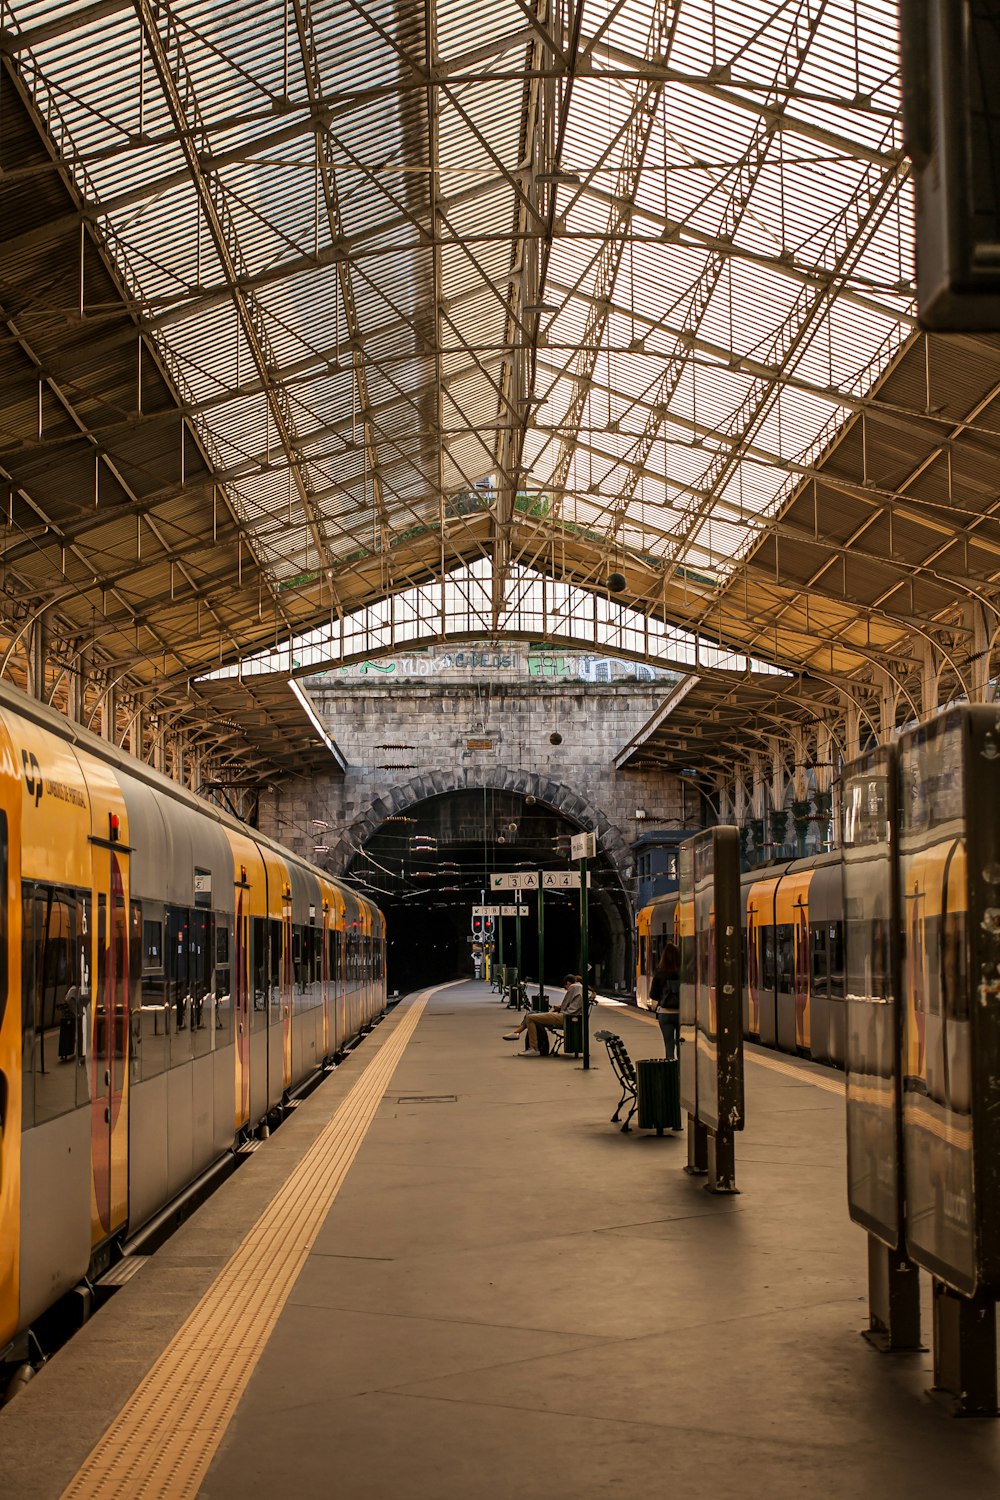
column 258, row 1016
column 784, row 951
column 313, row 938
column 135, row 992
column 56, row 1001
column 300, row 967
column 837, row 960
column 201, row 998
column 118, row 996
column 154, row 1016
column 222, row 1009
column 177, row 968
column 152, row 944
column 276, row 973
column 768, row 963
column 954, row 966
column 820, row 958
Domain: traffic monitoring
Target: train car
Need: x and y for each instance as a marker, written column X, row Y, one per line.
column 168, row 977
column 794, row 947
column 792, row 915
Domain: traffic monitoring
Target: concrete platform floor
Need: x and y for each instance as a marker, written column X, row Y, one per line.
column 510, row 1298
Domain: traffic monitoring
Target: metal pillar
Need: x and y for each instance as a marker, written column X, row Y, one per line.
column 965, row 1352
column 585, row 964
column 517, row 937
column 893, row 1300
column 541, row 939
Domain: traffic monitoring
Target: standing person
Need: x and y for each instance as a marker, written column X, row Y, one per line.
column 536, row 1023
column 665, row 990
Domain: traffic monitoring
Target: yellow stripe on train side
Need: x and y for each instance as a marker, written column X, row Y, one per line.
column 10, row 1050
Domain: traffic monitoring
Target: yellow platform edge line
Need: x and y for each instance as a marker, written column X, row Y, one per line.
column 801, row 1075
column 165, row 1436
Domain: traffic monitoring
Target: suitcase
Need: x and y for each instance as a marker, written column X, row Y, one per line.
column 659, row 1094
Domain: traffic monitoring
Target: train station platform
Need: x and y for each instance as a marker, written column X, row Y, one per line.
column 449, row 1276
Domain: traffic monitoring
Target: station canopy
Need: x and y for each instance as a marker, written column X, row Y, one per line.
column 320, row 316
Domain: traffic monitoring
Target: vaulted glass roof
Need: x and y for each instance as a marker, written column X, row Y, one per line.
column 392, row 289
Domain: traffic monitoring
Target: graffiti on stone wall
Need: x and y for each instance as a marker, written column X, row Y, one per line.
column 476, row 662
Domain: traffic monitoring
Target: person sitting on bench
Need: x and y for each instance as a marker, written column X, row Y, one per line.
column 536, row 1022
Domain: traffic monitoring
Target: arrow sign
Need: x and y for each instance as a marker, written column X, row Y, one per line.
column 513, row 911
column 519, row 880
column 486, row 911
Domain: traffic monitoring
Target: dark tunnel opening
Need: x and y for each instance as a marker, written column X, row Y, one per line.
column 429, row 867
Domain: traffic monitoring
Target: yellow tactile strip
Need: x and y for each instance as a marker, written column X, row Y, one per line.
column 800, row 1074
column 163, row 1440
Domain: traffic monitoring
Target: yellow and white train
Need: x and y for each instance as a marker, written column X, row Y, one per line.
column 792, row 920
column 167, row 977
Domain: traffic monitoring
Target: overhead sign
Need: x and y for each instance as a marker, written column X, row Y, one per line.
column 519, row 880
column 528, row 880
column 486, row 911
column 583, row 846
column 513, row 911
column 562, row 880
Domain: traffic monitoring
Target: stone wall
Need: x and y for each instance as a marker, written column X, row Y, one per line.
column 409, row 739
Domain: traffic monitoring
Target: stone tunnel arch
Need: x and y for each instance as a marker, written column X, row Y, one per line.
column 554, row 794
column 615, row 902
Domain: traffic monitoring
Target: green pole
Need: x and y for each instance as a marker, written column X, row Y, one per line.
column 584, row 963
column 499, row 957
column 517, row 936
column 541, row 940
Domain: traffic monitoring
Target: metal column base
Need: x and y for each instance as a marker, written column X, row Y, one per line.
column 721, row 1162
column 893, row 1301
column 697, row 1162
column 965, row 1353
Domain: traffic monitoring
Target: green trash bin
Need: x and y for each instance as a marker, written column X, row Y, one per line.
column 659, row 1094
column 537, row 1003
column 573, row 1035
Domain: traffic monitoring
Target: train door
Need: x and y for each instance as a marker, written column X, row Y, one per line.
column 765, row 957
column 239, row 1000
column 826, row 941
column 10, row 1044
column 819, row 991
column 803, row 969
column 348, row 943
column 340, row 970
column 751, row 995
column 324, row 973
column 109, row 1055
column 791, row 921
column 287, row 982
